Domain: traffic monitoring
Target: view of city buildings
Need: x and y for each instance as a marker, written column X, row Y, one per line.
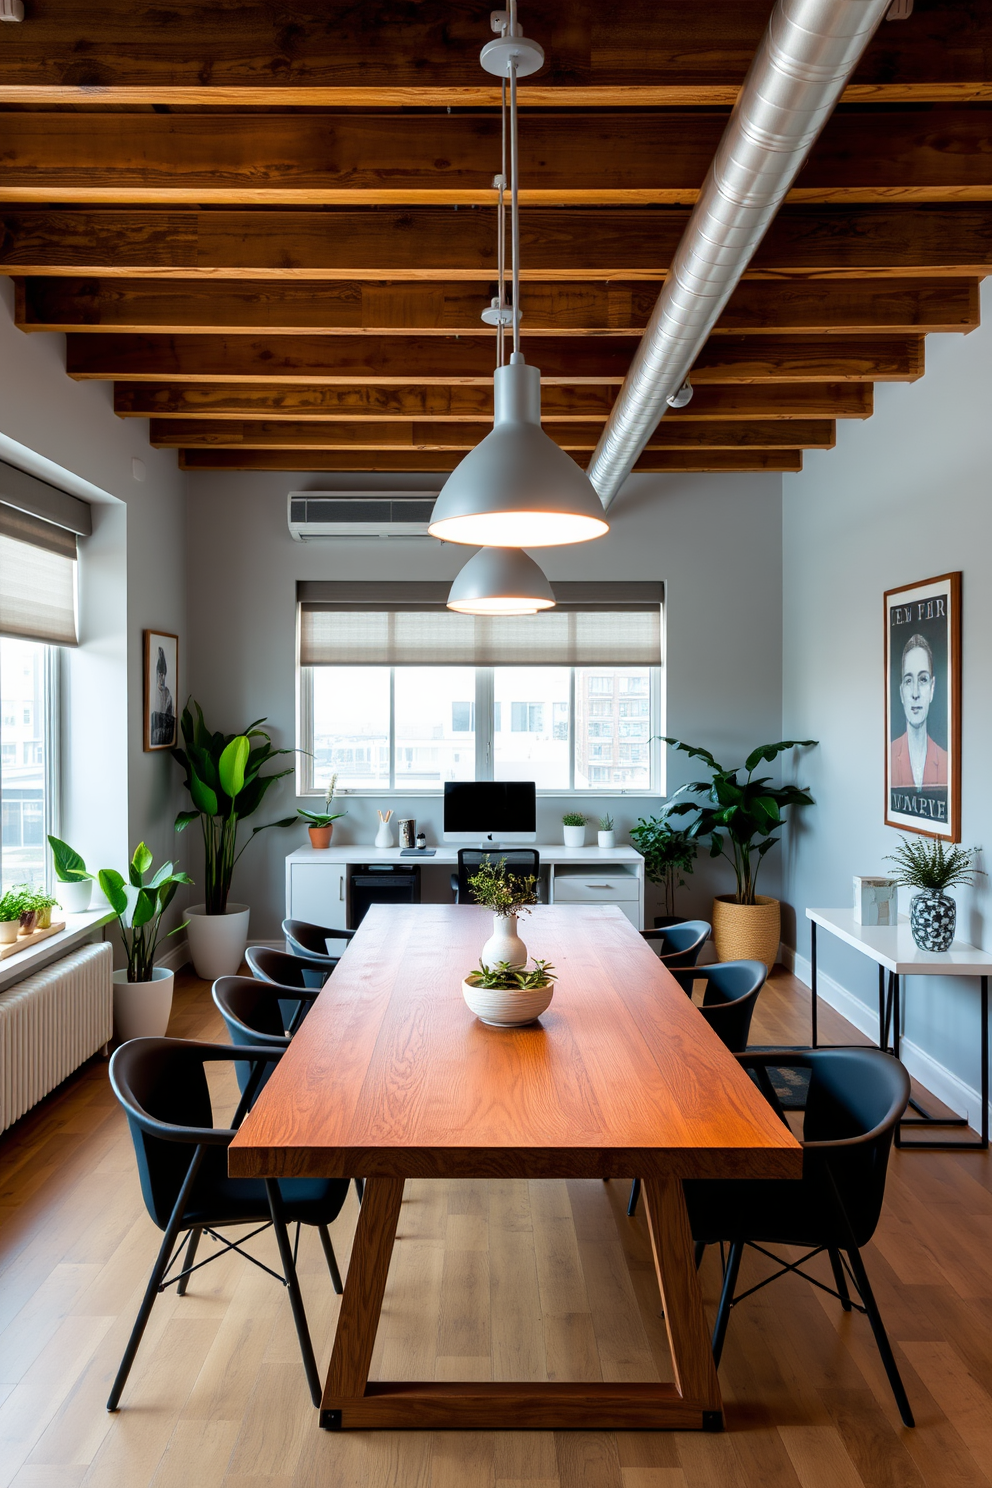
column 23, row 719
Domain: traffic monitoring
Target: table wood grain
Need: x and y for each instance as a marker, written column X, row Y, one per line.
column 391, row 1076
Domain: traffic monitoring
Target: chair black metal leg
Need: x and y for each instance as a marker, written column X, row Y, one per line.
column 840, row 1280
column 360, row 1188
column 330, row 1258
column 293, row 1287
column 881, row 1337
column 726, row 1299
column 635, row 1194
column 188, row 1259
column 155, row 1280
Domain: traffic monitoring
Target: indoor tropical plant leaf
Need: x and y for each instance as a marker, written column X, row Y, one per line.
column 69, row 866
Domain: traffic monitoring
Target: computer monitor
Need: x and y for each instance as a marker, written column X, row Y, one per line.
column 490, row 813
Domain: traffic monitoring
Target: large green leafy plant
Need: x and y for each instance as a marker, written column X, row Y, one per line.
column 224, row 779
column 668, row 851
column 739, row 816
column 139, row 906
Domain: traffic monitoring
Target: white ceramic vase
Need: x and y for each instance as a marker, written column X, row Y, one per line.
column 217, row 942
column 141, row 1009
column 574, row 836
column 74, row 897
column 504, row 944
column 384, row 837
column 506, row 1007
column 606, row 839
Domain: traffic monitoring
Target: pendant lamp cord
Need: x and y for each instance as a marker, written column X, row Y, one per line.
column 514, row 198
column 501, row 236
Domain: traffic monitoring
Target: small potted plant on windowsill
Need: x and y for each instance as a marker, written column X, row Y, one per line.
column 11, row 908
column 606, row 836
column 320, row 824
column 932, row 868
column 505, row 996
column 75, row 884
column 507, row 895
column 42, row 904
column 573, row 825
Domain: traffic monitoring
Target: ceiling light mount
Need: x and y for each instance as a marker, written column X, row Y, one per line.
column 680, row 398
column 510, row 47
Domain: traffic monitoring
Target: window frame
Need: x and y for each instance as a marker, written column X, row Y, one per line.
column 484, row 742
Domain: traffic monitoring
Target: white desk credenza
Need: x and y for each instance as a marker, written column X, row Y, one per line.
column 317, row 879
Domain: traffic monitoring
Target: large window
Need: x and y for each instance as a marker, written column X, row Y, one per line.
column 28, row 734
column 412, row 728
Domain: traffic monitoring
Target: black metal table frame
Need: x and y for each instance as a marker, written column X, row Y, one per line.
column 889, row 1017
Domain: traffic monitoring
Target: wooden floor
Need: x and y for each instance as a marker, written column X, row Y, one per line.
column 497, row 1280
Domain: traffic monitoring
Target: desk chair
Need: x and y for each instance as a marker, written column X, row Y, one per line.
column 310, row 941
column 182, row 1163
column 855, row 1100
column 270, row 965
column 681, row 944
column 729, row 998
column 525, row 862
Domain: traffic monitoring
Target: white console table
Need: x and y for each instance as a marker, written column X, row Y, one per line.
column 897, row 955
column 317, row 878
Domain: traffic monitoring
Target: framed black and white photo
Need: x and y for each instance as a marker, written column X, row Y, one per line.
column 161, row 689
column 923, row 707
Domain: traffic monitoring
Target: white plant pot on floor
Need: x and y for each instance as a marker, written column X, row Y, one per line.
column 217, row 942
column 141, row 1009
column 74, row 897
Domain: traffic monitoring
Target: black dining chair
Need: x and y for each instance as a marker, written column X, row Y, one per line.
column 270, row 965
column 182, row 1164
column 729, row 997
column 679, row 945
column 310, row 941
column 256, row 1013
column 525, row 862
column 854, row 1101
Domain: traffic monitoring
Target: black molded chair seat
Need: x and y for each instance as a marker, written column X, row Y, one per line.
column 855, row 1099
column 525, row 862
column 310, row 941
column 182, row 1165
column 680, row 944
column 270, row 965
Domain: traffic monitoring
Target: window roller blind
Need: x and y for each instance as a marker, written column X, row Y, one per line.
column 580, row 632
column 37, row 579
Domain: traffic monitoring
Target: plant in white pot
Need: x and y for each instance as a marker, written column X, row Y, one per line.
column 11, row 909
column 573, row 826
column 606, row 836
column 142, row 990
column 932, row 868
column 739, row 817
column 507, row 996
column 507, row 895
column 224, row 779
column 75, row 884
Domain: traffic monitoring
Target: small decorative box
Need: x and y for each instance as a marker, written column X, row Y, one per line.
column 875, row 901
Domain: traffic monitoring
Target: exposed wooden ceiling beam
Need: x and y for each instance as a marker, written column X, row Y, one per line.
column 239, row 52
column 432, row 243
column 368, row 434
column 435, row 359
column 233, row 308
column 460, row 404
column 602, row 158
column 397, row 460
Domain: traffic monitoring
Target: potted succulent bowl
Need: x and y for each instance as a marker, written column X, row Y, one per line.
column 739, row 817
column 507, row 895
column 224, row 779
column 573, row 825
column 606, row 836
column 321, row 823
column 931, row 868
column 505, row 996
column 668, row 852
column 75, row 885
column 11, row 907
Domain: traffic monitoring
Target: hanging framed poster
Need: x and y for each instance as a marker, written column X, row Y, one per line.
column 923, row 707
column 161, row 689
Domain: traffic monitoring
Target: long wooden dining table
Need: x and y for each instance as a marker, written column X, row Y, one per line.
column 392, row 1077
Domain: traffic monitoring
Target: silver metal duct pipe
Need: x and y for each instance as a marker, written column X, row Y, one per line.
column 806, row 56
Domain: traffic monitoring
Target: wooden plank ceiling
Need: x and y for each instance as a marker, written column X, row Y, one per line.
column 274, row 229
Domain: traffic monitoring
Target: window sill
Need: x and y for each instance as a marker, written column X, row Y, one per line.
column 438, row 795
column 78, row 929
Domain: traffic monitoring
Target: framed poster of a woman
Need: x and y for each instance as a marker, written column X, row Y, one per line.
column 923, row 707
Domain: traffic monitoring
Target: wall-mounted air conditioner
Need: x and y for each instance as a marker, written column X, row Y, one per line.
column 322, row 514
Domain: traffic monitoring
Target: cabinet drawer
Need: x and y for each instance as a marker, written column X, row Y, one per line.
column 595, row 888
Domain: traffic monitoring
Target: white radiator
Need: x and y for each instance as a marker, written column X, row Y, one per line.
column 50, row 1023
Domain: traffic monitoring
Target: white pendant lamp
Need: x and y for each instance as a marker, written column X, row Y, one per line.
column 517, row 488
column 501, row 581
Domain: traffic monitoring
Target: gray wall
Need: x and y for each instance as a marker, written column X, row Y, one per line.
column 903, row 497
column 714, row 540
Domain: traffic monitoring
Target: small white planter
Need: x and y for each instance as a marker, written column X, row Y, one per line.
column 606, row 839
column 504, row 944
column 141, row 1009
column 574, row 836
column 506, row 1007
column 8, row 931
column 217, row 942
column 74, row 897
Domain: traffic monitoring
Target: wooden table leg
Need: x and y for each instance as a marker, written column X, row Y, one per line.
column 678, row 1280
column 361, row 1302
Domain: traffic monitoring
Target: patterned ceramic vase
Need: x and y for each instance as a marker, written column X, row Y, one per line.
column 931, row 918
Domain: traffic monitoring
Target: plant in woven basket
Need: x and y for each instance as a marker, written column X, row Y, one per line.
column 926, row 864
column 504, row 977
column 504, row 893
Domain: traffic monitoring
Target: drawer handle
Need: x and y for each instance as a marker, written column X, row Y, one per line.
column 599, row 886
